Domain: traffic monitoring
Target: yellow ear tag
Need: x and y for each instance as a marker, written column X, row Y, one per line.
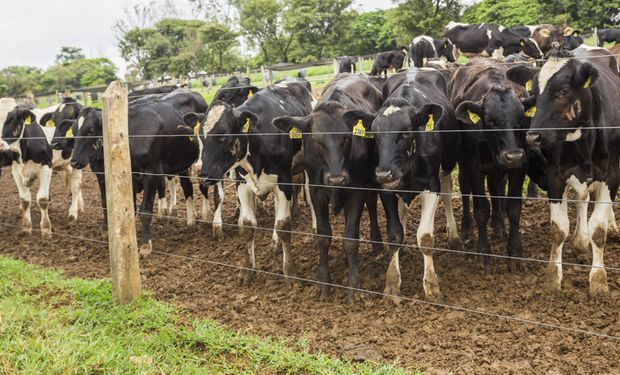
column 530, row 112
column 588, row 81
column 522, row 43
column 295, row 133
column 246, row 126
column 50, row 124
column 69, row 133
column 360, row 131
column 528, row 85
column 473, row 117
column 196, row 130
column 28, row 121
column 430, row 125
column 251, row 94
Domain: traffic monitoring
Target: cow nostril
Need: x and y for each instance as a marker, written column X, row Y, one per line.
column 533, row 139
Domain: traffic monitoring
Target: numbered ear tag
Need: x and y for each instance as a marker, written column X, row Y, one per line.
column 588, row 81
column 69, row 133
column 251, row 94
column 295, row 133
column 430, row 124
column 246, row 126
column 360, row 131
column 473, row 117
column 530, row 112
column 50, row 124
column 28, row 121
column 528, row 85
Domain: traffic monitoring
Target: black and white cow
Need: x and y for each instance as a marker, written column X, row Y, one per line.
column 152, row 91
column 576, row 130
column 424, row 47
column 24, row 142
column 340, row 153
column 607, row 36
column 152, row 154
column 489, row 40
column 245, row 140
column 486, row 100
column 418, row 145
column 236, row 91
column 347, row 65
column 389, row 60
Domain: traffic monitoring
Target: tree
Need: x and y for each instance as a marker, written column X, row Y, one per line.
column 18, row 80
column 367, row 33
column 68, row 54
column 414, row 17
column 505, row 12
column 79, row 73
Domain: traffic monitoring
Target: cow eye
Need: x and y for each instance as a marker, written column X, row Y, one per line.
column 564, row 91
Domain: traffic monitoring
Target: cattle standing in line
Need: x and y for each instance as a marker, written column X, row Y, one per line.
column 424, row 47
column 576, row 130
column 418, row 163
column 339, row 152
column 389, row 60
column 490, row 40
column 245, row 138
column 486, row 100
column 347, row 65
column 151, row 152
column 24, row 139
column 607, row 36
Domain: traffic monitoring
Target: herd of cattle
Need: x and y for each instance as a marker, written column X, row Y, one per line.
column 365, row 138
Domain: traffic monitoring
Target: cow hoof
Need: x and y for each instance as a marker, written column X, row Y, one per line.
column 351, row 297
column 324, row 293
column 246, row 277
column 432, row 292
column 377, row 249
column 499, row 232
column 191, row 223
column 515, row 266
column 392, row 294
column 173, row 211
column 47, row 234
column 72, row 218
column 455, row 243
column 146, row 249
column 25, row 232
column 276, row 248
column 551, row 278
column 217, row 232
column 598, row 282
column 582, row 243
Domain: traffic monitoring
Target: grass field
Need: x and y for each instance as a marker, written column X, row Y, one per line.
column 52, row 324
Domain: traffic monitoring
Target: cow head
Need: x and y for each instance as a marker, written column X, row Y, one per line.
column 561, row 99
column 14, row 127
column 548, row 37
column 499, row 115
column 445, row 49
column 531, row 48
column 68, row 110
column 224, row 134
column 89, row 138
column 572, row 39
column 236, row 91
column 396, row 129
column 64, row 137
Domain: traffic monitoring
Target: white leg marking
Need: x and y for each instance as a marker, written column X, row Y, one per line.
column 559, row 232
column 402, row 216
column 597, row 227
column 217, row 215
column 24, row 196
column 426, row 241
column 613, row 226
column 162, row 207
column 43, row 199
column 446, row 198
column 191, row 212
column 283, row 220
column 309, row 198
column 172, row 186
column 204, row 211
column 75, row 183
column 247, row 215
column 582, row 239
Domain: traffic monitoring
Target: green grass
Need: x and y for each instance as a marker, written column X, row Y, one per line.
column 52, row 324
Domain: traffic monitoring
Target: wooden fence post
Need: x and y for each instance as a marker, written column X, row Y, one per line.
column 262, row 73
column 336, row 67
column 124, row 258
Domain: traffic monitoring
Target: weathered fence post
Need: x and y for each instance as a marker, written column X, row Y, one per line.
column 336, row 67
column 262, row 73
column 360, row 62
column 124, row 259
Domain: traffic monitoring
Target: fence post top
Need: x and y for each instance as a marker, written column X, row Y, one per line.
column 116, row 88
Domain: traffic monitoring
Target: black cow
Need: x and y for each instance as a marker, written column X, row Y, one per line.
column 389, row 60
column 340, row 152
column 235, row 91
column 347, row 65
column 24, row 142
column 576, row 130
column 486, row 100
column 489, row 40
column 424, row 47
column 151, row 152
column 418, row 145
column 572, row 39
column 152, row 91
column 607, row 36
column 245, row 138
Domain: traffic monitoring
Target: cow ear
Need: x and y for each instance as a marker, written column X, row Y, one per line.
column 46, row 120
column 296, row 126
column 586, row 75
column 246, row 122
column 521, row 74
column 470, row 113
column 252, row 91
column 191, row 119
column 28, row 117
column 427, row 117
column 353, row 117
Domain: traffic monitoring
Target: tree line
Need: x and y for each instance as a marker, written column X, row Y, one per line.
column 171, row 38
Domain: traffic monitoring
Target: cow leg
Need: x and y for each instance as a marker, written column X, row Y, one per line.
column 426, row 243
column 402, row 215
column 104, row 203
column 559, row 231
column 454, row 241
column 375, row 231
column 76, row 193
column 188, row 192
column 43, row 200
column 283, row 227
column 247, row 227
column 320, row 206
column 218, row 198
column 146, row 208
column 582, row 239
column 497, row 189
column 481, row 215
column 514, row 206
column 532, row 190
column 24, row 196
column 354, row 206
column 162, row 205
column 309, row 201
column 466, row 220
column 391, row 205
column 172, row 186
column 204, row 211
column 80, row 196
column 597, row 227
column 613, row 183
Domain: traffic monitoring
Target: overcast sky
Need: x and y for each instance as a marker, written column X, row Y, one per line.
column 33, row 31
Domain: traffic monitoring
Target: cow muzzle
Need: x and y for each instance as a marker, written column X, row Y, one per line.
column 336, row 179
column 533, row 139
column 555, row 45
column 387, row 178
column 77, row 164
column 512, row 158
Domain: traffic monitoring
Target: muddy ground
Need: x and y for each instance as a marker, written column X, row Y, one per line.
column 412, row 335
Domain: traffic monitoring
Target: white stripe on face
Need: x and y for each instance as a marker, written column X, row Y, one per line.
column 548, row 70
column 213, row 117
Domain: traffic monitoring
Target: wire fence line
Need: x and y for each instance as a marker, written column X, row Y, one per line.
column 507, row 318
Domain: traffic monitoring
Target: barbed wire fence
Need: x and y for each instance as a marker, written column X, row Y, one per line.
column 123, row 245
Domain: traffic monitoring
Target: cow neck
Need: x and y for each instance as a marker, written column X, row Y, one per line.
column 33, row 145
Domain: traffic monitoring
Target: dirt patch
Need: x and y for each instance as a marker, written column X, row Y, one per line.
column 412, row 335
